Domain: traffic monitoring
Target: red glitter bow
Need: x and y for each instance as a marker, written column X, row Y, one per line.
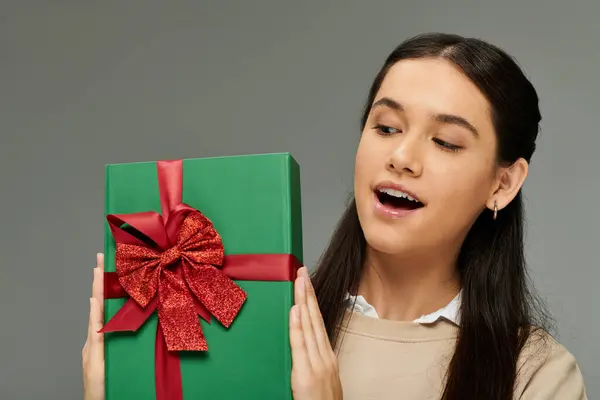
column 172, row 266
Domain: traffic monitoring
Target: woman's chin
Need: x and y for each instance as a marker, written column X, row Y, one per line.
column 389, row 243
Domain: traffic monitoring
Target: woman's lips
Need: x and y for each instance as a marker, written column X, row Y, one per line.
column 390, row 211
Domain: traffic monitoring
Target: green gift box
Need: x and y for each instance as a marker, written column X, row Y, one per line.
column 245, row 213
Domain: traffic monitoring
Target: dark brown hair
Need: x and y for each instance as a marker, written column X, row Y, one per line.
column 498, row 310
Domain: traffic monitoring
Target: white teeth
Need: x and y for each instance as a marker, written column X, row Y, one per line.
column 397, row 193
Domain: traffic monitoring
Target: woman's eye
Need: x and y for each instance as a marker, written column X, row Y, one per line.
column 447, row 146
column 386, row 130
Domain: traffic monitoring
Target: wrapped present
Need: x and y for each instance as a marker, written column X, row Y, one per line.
column 200, row 260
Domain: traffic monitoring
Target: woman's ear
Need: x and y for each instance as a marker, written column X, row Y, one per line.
column 509, row 181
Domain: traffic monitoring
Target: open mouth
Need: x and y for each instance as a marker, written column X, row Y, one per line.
column 397, row 200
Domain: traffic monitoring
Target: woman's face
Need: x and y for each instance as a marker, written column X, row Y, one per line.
column 429, row 137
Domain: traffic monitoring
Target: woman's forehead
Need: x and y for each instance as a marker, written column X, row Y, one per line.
column 433, row 86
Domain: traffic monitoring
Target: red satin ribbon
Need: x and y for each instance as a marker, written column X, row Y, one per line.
column 175, row 263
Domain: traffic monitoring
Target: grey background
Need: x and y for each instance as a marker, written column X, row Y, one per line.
column 85, row 83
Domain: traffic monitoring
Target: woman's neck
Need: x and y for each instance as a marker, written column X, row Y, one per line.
column 406, row 288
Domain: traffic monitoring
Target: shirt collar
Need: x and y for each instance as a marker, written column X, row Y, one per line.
column 450, row 312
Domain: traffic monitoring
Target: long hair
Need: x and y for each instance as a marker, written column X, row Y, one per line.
column 499, row 312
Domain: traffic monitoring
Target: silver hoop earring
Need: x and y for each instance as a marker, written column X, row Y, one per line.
column 495, row 210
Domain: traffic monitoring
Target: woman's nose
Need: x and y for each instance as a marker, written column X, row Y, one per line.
column 406, row 157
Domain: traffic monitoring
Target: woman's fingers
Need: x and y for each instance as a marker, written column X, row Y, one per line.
column 93, row 350
column 300, row 358
column 94, row 343
column 97, row 338
column 97, row 293
column 98, row 283
column 97, row 302
column 310, row 338
column 314, row 373
column 316, row 318
column 86, row 345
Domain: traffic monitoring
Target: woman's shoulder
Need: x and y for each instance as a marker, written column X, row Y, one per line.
column 548, row 370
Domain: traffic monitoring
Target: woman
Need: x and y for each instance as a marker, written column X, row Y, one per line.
column 422, row 292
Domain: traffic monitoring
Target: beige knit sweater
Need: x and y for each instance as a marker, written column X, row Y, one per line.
column 392, row 360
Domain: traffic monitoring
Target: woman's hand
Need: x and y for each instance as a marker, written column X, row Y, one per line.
column 315, row 373
column 93, row 350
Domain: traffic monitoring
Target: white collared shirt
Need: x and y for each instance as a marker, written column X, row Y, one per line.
column 450, row 312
